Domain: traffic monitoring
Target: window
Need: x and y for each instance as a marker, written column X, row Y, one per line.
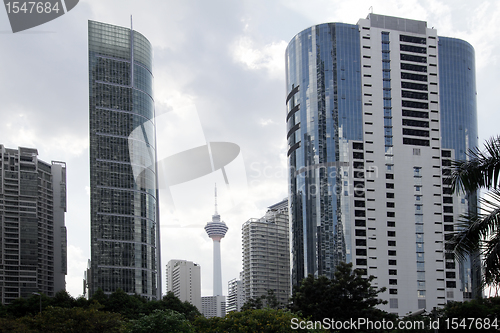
column 393, row 303
column 392, row 262
column 391, row 214
column 393, row 281
column 360, row 232
column 360, row 242
column 389, row 195
column 391, row 233
column 389, row 176
column 393, row 272
column 390, row 205
column 391, row 223
column 391, row 243
column 389, row 185
column 360, row 223
column 451, row 284
column 448, row 209
column 391, row 252
column 393, row 291
column 361, row 252
column 418, row 188
column 362, row 262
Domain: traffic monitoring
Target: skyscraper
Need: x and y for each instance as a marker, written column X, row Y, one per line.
column 375, row 114
column 216, row 230
column 266, row 254
column 125, row 242
column 184, row 280
column 33, row 248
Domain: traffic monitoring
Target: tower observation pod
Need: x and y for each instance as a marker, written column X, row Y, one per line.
column 216, row 230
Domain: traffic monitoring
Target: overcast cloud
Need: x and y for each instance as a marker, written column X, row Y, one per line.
column 221, row 65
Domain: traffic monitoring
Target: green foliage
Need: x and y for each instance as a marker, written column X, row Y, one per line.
column 269, row 301
column 478, row 308
column 74, row 320
column 161, row 321
column 348, row 295
column 250, row 321
column 479, row 233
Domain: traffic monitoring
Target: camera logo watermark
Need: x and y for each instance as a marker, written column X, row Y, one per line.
column 25, row 15
column 188, row 165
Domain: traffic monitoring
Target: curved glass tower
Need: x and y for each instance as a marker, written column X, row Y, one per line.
column 375, row 113
column 125, row 243
column 324, row 114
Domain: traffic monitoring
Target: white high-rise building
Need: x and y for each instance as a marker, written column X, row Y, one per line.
column 184, row 280
column 375, row 114
column 235, row 294
column 266, row 254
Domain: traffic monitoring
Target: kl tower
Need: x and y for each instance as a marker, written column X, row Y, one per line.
column 216, row 230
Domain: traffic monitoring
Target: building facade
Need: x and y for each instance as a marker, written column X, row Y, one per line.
column 184, row 280
column 125, row 246
column 235, row 294
column 213, row 306
column 375, row 114
column 33, row 246
column 266, row 254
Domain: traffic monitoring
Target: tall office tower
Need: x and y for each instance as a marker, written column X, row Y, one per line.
column 266, row 254
column 375, row 113
column 33, row 252
column 216, row 230
column 235, row 294
column 125, row 237
column 183, row 279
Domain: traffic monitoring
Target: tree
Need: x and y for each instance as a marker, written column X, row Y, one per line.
column 348, row 295
column 250, row 321
column 162, row 321
column 479, row 232
column 264, row 301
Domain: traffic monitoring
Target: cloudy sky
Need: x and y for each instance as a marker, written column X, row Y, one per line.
column 219, row 76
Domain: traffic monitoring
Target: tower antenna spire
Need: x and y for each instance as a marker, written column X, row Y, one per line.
column 215, row 198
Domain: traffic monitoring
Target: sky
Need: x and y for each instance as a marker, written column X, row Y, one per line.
column 219, row 76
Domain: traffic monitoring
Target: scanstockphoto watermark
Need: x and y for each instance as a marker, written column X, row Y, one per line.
column 25, row 15
column 356, row 324
column 331, row 170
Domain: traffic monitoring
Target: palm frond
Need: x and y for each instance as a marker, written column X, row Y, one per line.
column 473, row 229
column 481, row 170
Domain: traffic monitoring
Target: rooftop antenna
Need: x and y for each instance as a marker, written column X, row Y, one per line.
column 131, row 26
column 370, row 9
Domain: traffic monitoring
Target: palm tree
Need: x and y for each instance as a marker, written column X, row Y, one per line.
column 479, row 232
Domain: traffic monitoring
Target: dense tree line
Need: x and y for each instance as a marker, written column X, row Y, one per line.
column 348, row 295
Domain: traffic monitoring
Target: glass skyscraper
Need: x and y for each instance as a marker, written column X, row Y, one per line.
column 125, row 243
column 375, row 113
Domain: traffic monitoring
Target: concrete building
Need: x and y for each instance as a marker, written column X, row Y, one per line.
column 235, row 294
column 184, row 280
column 33, row 245
column 375, row 114
column 266, row 254
column 213, row 306
column 125, row 233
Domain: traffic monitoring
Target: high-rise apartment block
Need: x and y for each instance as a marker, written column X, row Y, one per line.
column 235, row 294
column 125, row 240
column 184, row 280
column 266, row 254
column 33, row 248
column 375, row 114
